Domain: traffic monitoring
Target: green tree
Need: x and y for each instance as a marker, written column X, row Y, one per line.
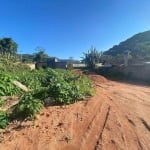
column 139, row 46
column 40, row 55
column 91, row 58
column 8, row 46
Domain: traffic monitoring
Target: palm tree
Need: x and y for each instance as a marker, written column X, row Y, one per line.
column 91, row 58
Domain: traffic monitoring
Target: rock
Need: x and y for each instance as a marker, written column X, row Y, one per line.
column 49, row 101
column 9, row 102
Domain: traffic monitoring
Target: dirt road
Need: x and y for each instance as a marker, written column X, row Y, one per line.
column 116, row 118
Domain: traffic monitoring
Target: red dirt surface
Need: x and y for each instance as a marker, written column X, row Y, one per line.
column 116, row 118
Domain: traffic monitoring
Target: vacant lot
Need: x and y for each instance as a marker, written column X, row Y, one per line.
column 116, row 118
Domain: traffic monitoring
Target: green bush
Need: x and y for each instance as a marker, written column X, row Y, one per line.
column 3, row 119
column 63, row 86
column 31, row 80
column 6, row 86
column 11, row 67
column 71, row 88
column 28, row 105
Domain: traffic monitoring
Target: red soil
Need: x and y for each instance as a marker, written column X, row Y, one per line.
column 116, row 118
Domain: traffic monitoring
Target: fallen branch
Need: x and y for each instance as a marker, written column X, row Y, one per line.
column 21, row 86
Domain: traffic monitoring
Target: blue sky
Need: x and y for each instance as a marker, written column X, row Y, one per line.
column 67, row 28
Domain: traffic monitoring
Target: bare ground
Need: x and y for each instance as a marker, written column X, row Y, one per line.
column 116, row 118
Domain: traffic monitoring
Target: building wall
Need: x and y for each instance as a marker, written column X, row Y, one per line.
column 32, row 66
column 61, row 65
column 141, row 72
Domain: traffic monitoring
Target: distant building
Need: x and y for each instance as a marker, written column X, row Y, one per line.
column 55, row 62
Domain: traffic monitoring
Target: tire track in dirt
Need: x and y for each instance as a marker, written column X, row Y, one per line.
column 95, row 127
column 85, row 123
column 101, row 133
column 116, row 118
column 124, row 123
column 141, row 139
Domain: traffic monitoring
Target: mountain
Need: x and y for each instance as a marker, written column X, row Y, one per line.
column 138, row 46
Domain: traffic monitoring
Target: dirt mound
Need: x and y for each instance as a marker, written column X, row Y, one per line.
column 116, row 118
column 97, row 78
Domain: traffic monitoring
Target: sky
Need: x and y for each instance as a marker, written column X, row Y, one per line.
column 67, row 28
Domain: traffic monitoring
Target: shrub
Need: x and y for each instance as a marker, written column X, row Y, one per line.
column 11, row 67
column 62, row 86
column 6, row 86
column 28, row 105
column 3, row 119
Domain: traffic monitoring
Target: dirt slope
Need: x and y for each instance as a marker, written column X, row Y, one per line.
column 116, row 118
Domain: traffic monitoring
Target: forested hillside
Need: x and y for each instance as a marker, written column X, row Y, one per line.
column 138, row 46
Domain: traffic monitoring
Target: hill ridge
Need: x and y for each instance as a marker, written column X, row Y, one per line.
column 138, row 45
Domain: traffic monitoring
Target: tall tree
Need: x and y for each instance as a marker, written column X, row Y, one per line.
column 40, row 55
column 91, row 58
column 8, row 46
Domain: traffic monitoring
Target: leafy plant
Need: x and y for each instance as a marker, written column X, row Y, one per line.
column 3, row 119
column 91, row 58
column 6, row 86
column 68, row 87
column 62, row 86
column 28, row 105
